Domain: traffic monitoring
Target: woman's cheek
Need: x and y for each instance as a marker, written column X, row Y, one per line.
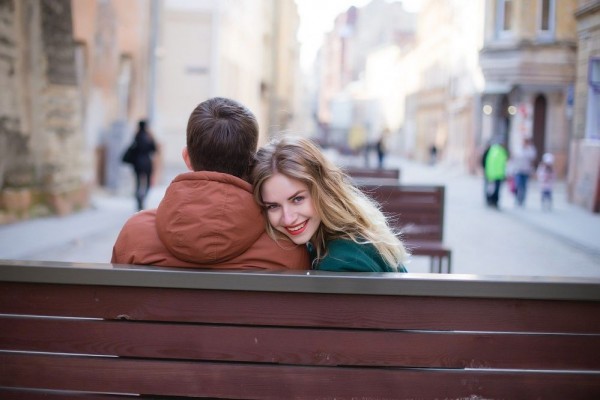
column 272, row 217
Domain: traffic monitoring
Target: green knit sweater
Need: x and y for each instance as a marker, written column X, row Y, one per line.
column 344, row 255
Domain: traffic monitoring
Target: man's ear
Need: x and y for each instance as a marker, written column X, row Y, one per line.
column 186, row 158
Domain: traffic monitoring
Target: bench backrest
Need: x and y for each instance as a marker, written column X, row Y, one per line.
column 374, row 175
column 391, row 173
column 415, row 210
column 69, row 330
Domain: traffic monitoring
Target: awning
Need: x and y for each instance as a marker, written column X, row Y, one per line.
column 496, row 88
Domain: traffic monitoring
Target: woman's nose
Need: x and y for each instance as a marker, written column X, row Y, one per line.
column 289, row 216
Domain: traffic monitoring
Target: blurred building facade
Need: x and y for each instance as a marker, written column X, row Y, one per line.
column 348, row 113
column 75, row 83
column 112, row 41
column 243, row 49
column 473, row 72
column 528, row 61
column 584, row 161
column 77, row 75
column 441, row 110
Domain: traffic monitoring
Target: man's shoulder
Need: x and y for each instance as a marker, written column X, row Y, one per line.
column 141, row 220
column 138, row 232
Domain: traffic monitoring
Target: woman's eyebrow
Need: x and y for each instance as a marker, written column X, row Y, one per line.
column 296, row 194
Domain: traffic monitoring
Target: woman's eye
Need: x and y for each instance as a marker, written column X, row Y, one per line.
column 298, row 199
column 270, row 207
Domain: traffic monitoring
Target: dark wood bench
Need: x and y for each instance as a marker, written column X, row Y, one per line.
column 417, row 211
column 94, row 331
column 374, row 176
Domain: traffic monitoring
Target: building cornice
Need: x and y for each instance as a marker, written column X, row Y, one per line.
column 587, row 9
column 526, row 44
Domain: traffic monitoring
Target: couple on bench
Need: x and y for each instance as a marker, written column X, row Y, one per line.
column 285, row 207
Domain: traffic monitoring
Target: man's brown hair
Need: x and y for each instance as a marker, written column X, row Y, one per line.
column 222, row 136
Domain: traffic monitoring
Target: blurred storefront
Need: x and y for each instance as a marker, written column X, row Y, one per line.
column 584, row 166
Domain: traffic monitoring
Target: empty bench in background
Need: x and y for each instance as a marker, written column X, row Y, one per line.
column 417, row 211
column 374, row 176
column 94, row 331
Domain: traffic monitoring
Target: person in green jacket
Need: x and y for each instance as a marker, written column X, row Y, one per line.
column 311, row 201
column 495, row 172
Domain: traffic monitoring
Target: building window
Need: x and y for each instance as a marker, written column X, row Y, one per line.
column 592, row 126
column 124, row 85
column 504, row 17
column 546, row 18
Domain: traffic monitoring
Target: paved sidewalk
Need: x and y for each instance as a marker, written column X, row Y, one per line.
column 86, row 236
column 512, row 241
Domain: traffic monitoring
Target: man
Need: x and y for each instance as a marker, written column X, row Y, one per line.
column 208, row 217
column 522, row 164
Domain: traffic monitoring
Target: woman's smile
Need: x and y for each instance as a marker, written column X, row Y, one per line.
column 297, row 229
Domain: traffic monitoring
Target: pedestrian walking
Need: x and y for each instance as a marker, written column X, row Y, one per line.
column 483, row 162
column 545, row 177
column 433, row 154
column 380, row 148
column 522, row 164
column 139, row 155
column 495, row 173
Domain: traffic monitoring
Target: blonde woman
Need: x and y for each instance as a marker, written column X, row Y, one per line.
column 311, row 201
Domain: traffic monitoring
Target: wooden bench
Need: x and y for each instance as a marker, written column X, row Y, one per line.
column 373, row 176
column 94, row 331
column 417, row 211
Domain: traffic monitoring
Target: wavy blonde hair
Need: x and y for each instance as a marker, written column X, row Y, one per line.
column 345, row 211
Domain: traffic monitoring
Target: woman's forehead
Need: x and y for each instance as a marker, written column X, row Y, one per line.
column 280, row 187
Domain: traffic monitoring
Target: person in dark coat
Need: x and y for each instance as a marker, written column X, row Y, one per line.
column 145, row 147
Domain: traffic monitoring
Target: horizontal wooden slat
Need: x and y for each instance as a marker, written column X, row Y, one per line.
column 301, row 346
column 427, row 248
column 389, row 173
column 31, row 394
column 228, row 380
column 300, row 309
column 310, row 282
column 401, row 195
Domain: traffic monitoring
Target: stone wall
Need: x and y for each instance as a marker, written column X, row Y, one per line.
column 13, row 143
column 40, row 115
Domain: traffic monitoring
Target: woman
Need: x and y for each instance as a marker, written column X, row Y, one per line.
column 142, row 164
column 311, row 201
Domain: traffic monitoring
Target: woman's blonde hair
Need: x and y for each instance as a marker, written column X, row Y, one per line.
column 345, row 211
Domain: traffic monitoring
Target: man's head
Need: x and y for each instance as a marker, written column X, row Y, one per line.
column 222, row 136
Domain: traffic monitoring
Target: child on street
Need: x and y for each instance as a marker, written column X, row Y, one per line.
column 545, row 176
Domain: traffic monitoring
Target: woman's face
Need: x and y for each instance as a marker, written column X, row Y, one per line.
column 290, row 208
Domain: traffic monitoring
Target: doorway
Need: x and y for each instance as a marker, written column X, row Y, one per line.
column 539, row 126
